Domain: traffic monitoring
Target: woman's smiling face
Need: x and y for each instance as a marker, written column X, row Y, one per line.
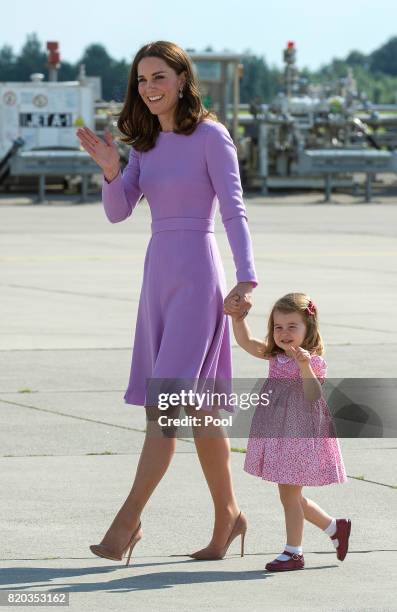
column 156, row 79
column 289, row 329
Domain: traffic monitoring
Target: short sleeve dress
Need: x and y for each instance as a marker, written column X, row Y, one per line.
column 181, row 331
column 293, row 441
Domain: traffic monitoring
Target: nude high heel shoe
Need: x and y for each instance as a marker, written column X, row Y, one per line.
column 101, row 551
column 239, row 529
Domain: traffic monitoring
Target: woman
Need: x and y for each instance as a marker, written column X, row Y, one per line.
column 182, row 159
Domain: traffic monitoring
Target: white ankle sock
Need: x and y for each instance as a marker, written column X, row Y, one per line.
column 298, row 550
column 331, row 530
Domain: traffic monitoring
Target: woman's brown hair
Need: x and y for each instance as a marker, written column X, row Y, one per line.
column 301, row 303
column 138, row 125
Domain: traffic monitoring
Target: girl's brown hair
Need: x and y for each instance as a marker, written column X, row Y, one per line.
column 301, row 303
column 138, row 125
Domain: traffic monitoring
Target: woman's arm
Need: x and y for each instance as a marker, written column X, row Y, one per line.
column 223, row 169
column 121, row 194
column 242, row 333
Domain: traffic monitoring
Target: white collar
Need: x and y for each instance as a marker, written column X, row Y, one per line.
column 283, row 358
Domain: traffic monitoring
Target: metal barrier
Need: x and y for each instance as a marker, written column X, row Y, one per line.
column 329, row 162
column 54, row 163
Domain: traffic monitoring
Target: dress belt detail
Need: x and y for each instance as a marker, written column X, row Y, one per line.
column 182, row 223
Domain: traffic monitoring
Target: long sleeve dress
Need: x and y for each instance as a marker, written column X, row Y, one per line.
column 181, row 331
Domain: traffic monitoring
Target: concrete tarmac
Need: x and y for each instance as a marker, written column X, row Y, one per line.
column 70, row 286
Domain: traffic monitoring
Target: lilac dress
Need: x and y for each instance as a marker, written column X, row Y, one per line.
column 181, row 331
column 291, row 440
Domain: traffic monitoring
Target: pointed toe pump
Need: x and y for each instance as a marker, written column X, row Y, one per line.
column 239, row 529
column 101, row 551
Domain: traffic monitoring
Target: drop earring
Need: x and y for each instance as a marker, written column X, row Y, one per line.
column 181, row 92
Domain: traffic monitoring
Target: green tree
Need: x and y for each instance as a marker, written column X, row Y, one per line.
column 356, row 58
column 114, row 73
column 384, row 59
column 67, row 72
column 96, row 59
column 376, row 74
column 259, row 81
column 7, row 63
column 31, row 59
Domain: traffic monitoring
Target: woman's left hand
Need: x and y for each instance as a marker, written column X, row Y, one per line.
column 239, row 301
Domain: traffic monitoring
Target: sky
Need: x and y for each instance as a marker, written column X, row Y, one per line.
column 321, row 30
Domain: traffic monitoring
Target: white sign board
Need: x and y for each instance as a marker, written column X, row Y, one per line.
column 44, row 114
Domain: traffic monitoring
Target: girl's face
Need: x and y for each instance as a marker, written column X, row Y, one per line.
column 157, row 79
column 289, row 329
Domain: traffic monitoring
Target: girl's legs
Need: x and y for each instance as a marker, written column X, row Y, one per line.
column 291, row 496
column 314, row 514
column 213, row 450
column 157, row 452
column 296, row 509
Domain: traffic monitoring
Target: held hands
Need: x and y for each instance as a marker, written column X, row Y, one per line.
column 239, row 301
column 104, row 153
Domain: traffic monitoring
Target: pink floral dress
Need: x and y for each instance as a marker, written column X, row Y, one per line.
column 293, row 441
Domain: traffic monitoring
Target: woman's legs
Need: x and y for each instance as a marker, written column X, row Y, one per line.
column 213, row 450
column 157, row 452
column 291, row 498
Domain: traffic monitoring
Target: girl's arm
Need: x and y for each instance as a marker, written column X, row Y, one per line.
column 242, row 333
column 311, row 385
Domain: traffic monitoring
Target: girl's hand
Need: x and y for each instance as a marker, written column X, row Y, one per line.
column 231, row 306
column 301, row 356
column 104, row 153
column 239, row 301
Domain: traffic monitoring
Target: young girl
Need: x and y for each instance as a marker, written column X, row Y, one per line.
column 292, row 440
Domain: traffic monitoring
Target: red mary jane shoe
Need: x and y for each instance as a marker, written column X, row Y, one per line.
column 342, row 533
column 296, row 562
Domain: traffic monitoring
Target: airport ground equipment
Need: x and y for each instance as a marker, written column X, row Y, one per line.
column 335, row 119
column 330, row 163
column 55, row 163
column 43, row 117
column 308, row 136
